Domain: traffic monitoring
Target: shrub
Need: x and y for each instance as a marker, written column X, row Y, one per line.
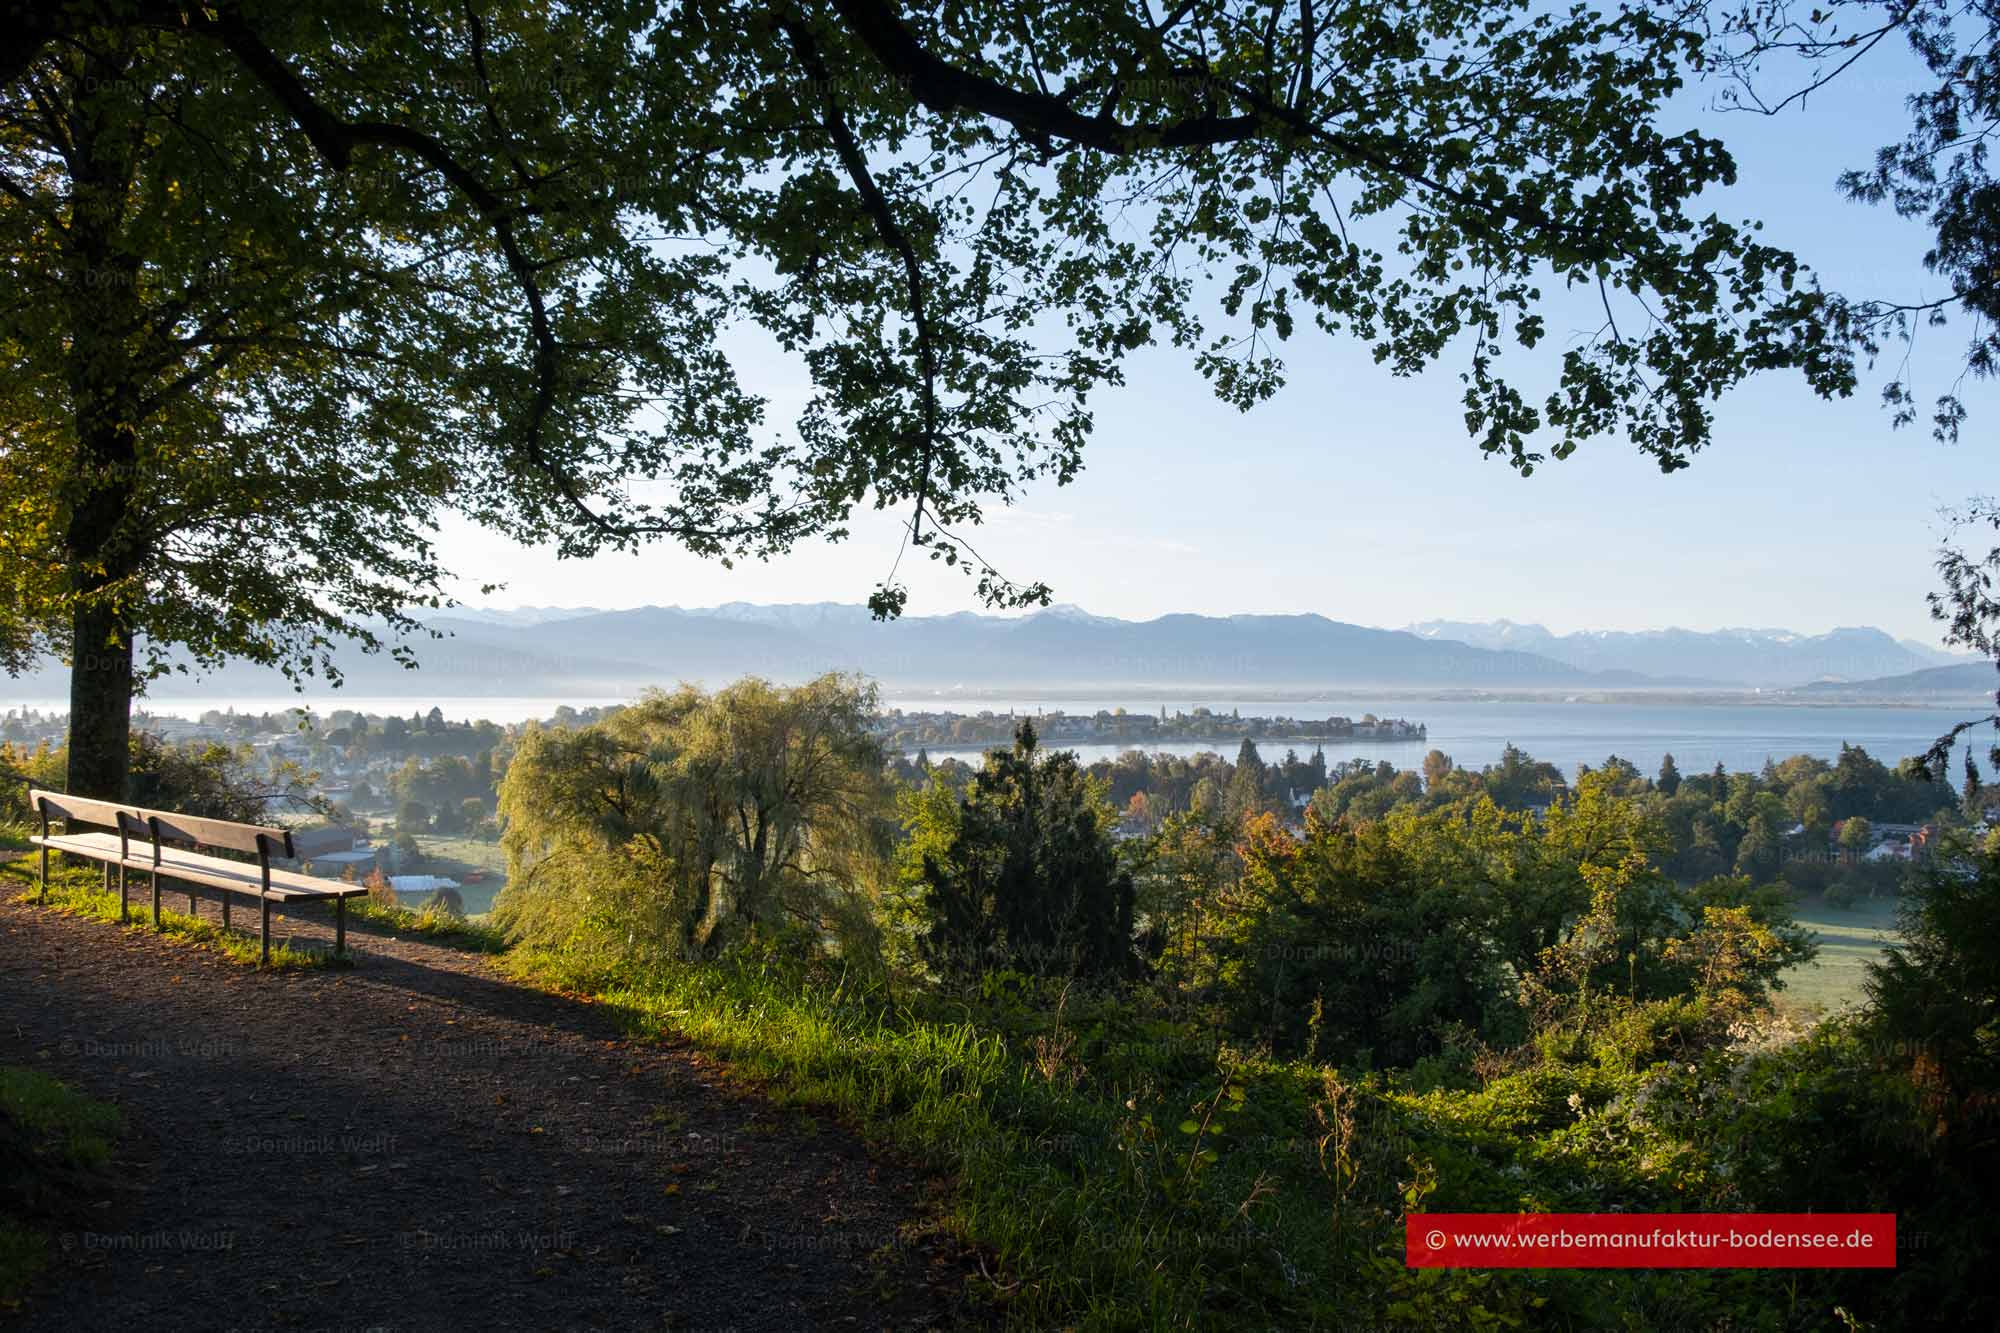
column 380, row 891
column 194, row 778
column 1807, row 878
column 1937, row 993
column 1353, row 931
column 442, row 902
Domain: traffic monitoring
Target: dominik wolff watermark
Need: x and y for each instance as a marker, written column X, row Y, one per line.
column 161, row 1241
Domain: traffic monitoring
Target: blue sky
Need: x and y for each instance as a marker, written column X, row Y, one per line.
column 1358, row 496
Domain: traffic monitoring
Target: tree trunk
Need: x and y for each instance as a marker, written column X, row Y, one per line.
column 100, row 705
column 103, row 549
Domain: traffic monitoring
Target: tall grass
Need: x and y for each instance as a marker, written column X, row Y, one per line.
column 1129, row 1172
column 431, row 924
column 1126, row 1178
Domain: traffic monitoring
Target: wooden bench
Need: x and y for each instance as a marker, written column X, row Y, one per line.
column 163, row 843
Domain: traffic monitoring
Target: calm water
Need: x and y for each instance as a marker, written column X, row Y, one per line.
column 1567, row 734
column 1472, row 732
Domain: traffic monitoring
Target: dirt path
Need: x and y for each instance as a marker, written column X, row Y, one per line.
column 416, row 1143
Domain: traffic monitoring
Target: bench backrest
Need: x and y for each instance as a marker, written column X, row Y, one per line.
column 138, row 822
column 80, row 809
column 253, row 838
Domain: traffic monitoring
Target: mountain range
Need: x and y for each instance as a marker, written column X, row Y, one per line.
column 1756, row 658
column 584, row 652
column 1933, row 684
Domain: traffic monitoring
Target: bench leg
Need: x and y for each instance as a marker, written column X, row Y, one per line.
column 339, row 926
column 45, row 874
column 156, row 900
column 124, row 909
column 267, row 931
column 194, row 908
column 226, row 896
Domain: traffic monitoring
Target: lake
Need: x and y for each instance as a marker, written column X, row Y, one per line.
column 1473, row 732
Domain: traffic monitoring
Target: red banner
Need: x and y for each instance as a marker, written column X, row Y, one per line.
column 1650, row 1240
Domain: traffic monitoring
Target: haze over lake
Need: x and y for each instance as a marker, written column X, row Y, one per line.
column 1473, row 732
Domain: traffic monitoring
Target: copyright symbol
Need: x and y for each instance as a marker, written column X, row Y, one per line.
column 1434, row 1239
column 68, row 1241
column 66, row 1046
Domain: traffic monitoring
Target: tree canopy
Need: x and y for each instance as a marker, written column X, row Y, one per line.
column 297, row 279
column 690, row 822
column 1776, row 55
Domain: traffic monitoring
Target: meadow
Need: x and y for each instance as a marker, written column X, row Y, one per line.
column 1849, row 940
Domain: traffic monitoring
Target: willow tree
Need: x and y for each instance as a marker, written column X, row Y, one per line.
column 689, row 822
column 315, row 273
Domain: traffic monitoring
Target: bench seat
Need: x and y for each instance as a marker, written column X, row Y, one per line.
column 198, row 868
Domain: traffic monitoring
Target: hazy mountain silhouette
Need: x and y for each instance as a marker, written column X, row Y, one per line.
column 613, row 652
column 1968, row 680
column 1752, row 657
column 594, row 653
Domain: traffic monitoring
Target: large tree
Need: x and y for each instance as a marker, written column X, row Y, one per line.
column 496, row 247
column 240, row 386
column 689, row 822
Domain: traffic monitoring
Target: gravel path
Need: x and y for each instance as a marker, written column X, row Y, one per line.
column 417, row 1143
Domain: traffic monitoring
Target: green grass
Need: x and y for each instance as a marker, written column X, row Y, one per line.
column 464, row 854
column 80, row 891
column 1849, row 939
column 456, row 932
column 75, row 1128
column 1120, row 1172
column 1123, row 1172
column 58, row 1141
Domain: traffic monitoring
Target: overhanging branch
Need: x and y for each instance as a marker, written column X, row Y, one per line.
column 876, row 204
column 336, row 139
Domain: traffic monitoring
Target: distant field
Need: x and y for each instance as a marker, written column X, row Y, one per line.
column 457, row 857
column 1848, row 941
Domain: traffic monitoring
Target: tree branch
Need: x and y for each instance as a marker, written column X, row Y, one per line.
column 943, row 88
column 336, row 139
column 876, row 204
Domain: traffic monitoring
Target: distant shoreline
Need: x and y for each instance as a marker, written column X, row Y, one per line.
column 971, row 702
column 1409, row 694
